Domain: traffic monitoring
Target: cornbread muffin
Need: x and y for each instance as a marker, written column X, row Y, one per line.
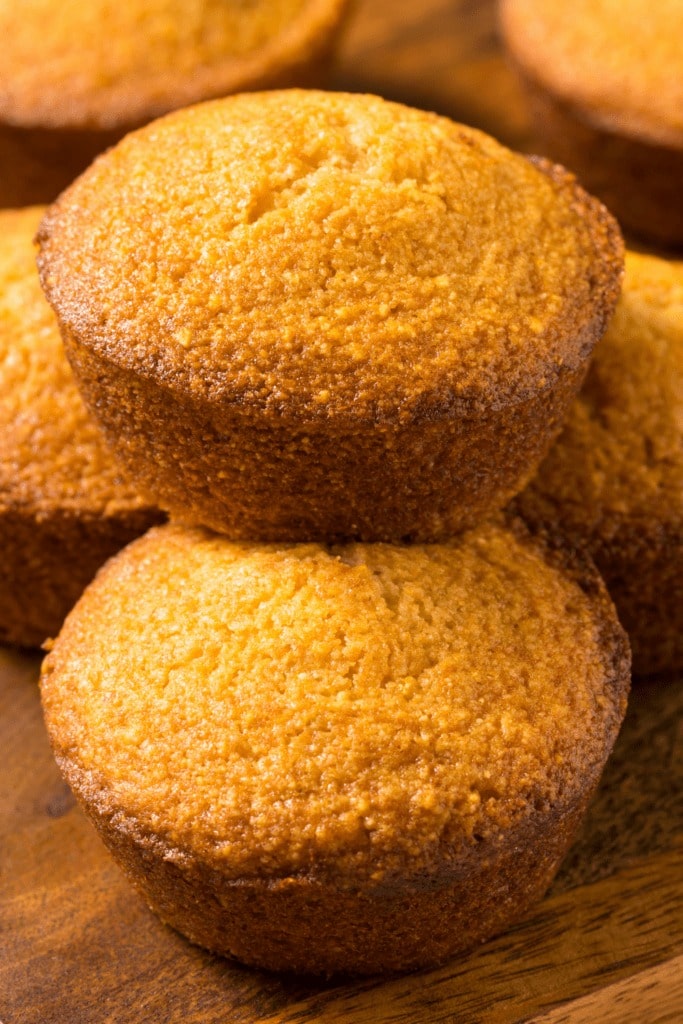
column 605, row 81
column 306, row 315
column 614, row 478
column 357, row 758
column 75, row 77
column 64, row 507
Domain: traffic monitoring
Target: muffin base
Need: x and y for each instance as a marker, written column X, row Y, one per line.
column 48, row 560
column 273, row 480
column 638, row 180
column 312, row 926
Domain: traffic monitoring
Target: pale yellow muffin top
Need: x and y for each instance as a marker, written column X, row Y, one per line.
column 314, row 255
column 361, row 710
column 619, row 61
column 51, row 452
column 98, row 64
column 621, row 450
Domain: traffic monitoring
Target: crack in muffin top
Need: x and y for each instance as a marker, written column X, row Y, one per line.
column 322, row 255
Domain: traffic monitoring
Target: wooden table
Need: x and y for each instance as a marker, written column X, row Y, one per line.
column 77, row 946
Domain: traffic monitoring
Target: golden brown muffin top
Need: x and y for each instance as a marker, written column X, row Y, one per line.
column 51, row 452
column 620, row 60
column 320, row 255
column 102, row 64
column 358, row 710
column 621, row 451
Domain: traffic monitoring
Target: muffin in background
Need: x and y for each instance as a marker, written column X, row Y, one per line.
column 359, row 758
column 614, row 478
column 316, row 315
column 605, row 83
column 64, row 506
column 75, row 77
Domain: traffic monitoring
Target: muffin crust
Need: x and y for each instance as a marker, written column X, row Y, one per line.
column 349, row 306
column 356, row 729
column 64, row 505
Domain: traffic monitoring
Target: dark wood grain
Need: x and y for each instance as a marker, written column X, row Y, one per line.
column 77, row 946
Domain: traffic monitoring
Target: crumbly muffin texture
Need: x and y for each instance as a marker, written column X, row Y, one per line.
column 51, row 450
column 356, row 713
column 105, row 60
column 312, row 254
column 615, row 476
column 619, row 61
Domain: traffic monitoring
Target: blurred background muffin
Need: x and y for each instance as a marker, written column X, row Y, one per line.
column 75, row 77
column 605, row 83
column 64, row 505
column 614, row 479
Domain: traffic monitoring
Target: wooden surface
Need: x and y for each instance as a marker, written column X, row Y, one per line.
column 77, row 946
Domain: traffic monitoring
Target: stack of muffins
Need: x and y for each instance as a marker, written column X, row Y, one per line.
column 341, row 714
